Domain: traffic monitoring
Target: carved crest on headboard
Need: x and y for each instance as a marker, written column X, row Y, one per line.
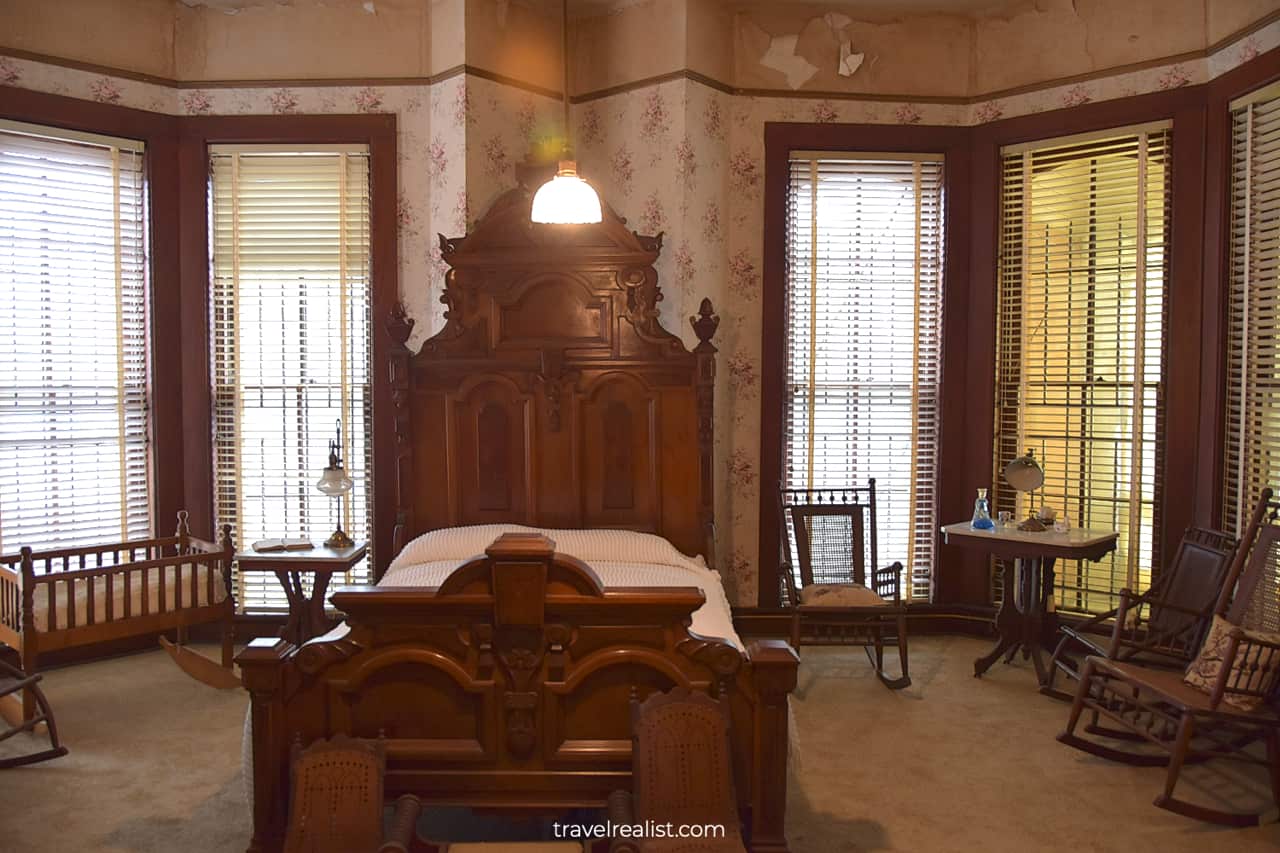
column 553, row 395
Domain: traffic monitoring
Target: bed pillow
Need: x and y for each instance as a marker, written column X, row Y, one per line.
column 453, row 543
column 462, row 543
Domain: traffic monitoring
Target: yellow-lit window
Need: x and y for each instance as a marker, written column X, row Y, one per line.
column 1080, row 337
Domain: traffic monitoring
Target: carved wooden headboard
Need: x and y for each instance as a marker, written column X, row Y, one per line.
column 553, row 396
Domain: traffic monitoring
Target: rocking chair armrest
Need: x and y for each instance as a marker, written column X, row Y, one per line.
column 402, row 833
column 1242, row 645
column 621, row 811
column 888, row 579
column 1127, row 601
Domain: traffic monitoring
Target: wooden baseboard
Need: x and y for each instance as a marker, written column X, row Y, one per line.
column 762, row 622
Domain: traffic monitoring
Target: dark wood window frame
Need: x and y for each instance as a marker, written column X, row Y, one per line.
column 177, row 169
column 1193, row 374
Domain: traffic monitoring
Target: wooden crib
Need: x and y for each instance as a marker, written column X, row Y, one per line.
column 51, row 600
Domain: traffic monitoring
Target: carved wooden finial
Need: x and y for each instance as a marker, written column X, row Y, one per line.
column 399, row 324
column 705, row 325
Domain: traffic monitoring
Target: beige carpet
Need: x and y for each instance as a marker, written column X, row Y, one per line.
column 951, row 764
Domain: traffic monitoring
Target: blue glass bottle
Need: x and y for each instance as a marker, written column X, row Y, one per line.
column 982, row 513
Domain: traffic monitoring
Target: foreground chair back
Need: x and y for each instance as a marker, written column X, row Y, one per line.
column 845, row 597
column 682, row 774
column 337, row 802
column 1226, row 701
column 1163, row 626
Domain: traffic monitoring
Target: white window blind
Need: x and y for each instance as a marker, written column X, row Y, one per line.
column 864, row 340
column 1079, row 368
column 74, row 427
column 1253, row 367
column 291, row 344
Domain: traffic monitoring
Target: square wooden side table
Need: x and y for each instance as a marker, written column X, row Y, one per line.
column 306, row 615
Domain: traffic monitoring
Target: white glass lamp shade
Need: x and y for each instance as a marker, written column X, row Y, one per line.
column 566, row 199
column 334, row 482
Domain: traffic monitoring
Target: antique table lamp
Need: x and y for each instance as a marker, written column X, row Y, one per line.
column 335, row 483
column 1026, row 475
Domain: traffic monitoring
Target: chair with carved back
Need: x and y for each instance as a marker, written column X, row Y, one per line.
column 1227, row 700
column 337, row 804
column 1163, row 626
column 845, row 597
column 682, row 774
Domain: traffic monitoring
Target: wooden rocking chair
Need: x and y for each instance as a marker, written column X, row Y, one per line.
column 844, row 597
column 1227, row 700
column 1163, row 626
column 682, row 774
column 14, row 680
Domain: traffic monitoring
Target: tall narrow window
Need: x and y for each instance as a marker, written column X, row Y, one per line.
column 291, row 342
column 1080, row 342
column 863, row 346
column 1253, row 329
column 74, row 424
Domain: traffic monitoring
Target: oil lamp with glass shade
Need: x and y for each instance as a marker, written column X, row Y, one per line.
column 335, row 482
column 1026, row 475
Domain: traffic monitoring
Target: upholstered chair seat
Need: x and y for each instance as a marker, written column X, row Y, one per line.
column 840, row 595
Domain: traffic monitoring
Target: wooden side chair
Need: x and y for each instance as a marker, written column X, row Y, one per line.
column 845, row 597
column 682, row 773
column 1163, row 626
column 337, row 802
column 15, row 681
column 1228, row 699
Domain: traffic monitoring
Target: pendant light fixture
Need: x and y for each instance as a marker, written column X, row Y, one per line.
column 566, row 199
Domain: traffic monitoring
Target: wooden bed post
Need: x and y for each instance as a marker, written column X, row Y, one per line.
column 261, row 666
column 774, row 665
column 704, row 326
column 30, row 638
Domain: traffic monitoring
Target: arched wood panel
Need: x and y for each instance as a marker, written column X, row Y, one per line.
column 490, row 454
column 619, row 454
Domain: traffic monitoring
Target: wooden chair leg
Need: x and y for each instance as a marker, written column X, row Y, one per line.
column 1273, row 764
column 30, row 662
column 1186, row 728
column 795, row 630
column 902, row 647
column 183, row 636
column 1077, row 704
column 228, row 644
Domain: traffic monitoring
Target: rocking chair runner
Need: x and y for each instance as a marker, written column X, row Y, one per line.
column 14, row 680
column 1235, row 701
column 1163, row 626
column 843, row 599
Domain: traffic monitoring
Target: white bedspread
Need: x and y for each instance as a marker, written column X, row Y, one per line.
column 99, row 592
column 621, row 558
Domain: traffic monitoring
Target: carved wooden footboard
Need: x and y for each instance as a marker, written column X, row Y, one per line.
column 511, row 686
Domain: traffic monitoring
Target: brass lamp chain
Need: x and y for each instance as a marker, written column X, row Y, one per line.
column 564, row 34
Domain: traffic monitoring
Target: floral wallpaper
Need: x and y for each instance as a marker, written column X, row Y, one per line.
column 678, row 157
